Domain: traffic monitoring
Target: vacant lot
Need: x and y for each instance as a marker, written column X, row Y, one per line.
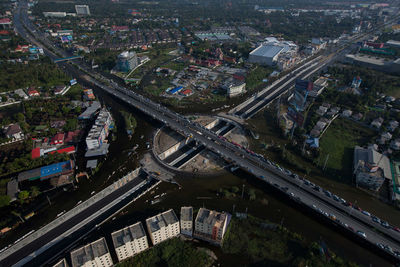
column 338, row 142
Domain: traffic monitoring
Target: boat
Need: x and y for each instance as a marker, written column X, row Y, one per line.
column 155, row 201
column 234, row 168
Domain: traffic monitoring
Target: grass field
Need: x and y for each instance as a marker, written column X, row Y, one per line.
column 338, row 142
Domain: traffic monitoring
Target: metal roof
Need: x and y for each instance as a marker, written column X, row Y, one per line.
column 267, row 51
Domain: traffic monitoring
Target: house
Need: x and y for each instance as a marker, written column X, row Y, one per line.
column 14, row 131
column 57, row 124
column 393, row 125
column 59, row 89
column 395, row 144
column 33, row 92
column 385, row 137
column 357, row 116
column 186, row 92
column 333, row 111
column 377, row 123
column 389, row 99
column 321, row 110
column 58, row 139
column 347, row 113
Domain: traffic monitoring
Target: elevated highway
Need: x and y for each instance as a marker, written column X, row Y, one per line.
column 345, row 217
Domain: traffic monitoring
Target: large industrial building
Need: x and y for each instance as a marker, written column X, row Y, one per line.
column 95, row 254
column 163, row 226
column 371, row 168
column 127, row 61
column 275, row 53
column 187, row 221
column 99, row 131
column 211, row 225
column 82, row 10
column 47, row 172
column 129, row 241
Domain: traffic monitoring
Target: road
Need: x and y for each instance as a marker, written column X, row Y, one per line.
column 254, row 164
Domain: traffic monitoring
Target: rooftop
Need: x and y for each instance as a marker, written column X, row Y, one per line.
column 267, row 51
column 161, row 220
column 210, row 217
column 128, row 234
column 187, row 214
column 89, row 252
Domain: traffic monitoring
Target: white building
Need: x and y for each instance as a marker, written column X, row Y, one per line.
column 371, row 167
column 99, row 131
column 187, row 221
column 55, row 14
column 163, row 226
column 211, row 225
column 82, row 10
column 129, row 241
column 61, row 263
column 95, row 254
column 274, row 52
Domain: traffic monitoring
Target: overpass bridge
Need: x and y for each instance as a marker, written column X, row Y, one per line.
column 57, row 60
column 345, row 217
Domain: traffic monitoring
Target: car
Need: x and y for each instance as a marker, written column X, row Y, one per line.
column 375, row 219
column 380, row 245
column 291, row 194
column 276, row 185
column 385, row 224
column 396, row 253
column 335, row 197
column 397, row 229
column 361, row 233
column 366, row 213
column 328, row 194
column 388, row 248
column 316, row 188
column 357, row 208
column 315, row 207
column 350, row 228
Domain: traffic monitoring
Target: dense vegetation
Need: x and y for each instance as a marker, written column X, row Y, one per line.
column 266, row 244
column 173, row 252
column 35, row 73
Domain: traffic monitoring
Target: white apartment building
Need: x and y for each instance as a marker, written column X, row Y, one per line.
column 211, row 225
column 129, row 241
column 187, row 221
column 82, row 10
column 163, row 226
column 99, row 131
column 95, row 254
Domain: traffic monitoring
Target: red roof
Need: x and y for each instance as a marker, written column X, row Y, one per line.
column 36, row 153
column 5, row 21
column 186, row 92
column 70, row 136
column 238, row 77
column 58, row 138
column 70, row 149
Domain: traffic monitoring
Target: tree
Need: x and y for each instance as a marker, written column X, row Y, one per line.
column 20, row 117
column 4, row 201
column 35, row 191
column 23, row 195
column 252, row 194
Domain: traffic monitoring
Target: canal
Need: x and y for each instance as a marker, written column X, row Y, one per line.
column 194, row 191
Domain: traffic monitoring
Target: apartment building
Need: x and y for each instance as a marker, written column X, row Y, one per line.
column 61, row 263
column 95, row 254
column 99, row 131
column 129, row 241
column 187, row 221
column 163, row 226
column 211, row 225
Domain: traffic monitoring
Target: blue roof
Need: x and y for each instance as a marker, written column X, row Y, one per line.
column 175, row 90
column 267, row 51
column 53, row 168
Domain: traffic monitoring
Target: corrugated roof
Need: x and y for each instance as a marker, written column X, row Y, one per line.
column 267, row 51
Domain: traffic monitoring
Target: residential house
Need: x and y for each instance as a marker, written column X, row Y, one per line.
column 384, row 138
column 347, row 113
column 14, row 131
column 33, row 92
column 393, row 125
column 58, row 139
column 377, row 123
column 395, row 144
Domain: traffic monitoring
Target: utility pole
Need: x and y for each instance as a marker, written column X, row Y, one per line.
column 242, row 191
column 326, row 160
column 48, row 199
column 233, row 208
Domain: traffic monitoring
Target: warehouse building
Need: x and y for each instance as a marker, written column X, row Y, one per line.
column 274, row 52
column 129, row 241
column 51, row 171
column 163, row 226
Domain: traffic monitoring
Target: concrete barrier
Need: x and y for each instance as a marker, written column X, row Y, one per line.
column 66, row 216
